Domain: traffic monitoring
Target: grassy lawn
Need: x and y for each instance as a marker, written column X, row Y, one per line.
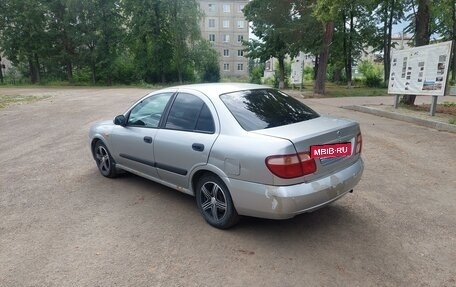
column 333, row 90
column 7, row 100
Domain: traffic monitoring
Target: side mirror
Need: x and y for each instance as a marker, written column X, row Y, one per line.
column 120, row 120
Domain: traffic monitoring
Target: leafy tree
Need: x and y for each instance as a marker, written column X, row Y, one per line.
column 386, row 13
column 63, row 31
column 184, row 21
column 325, row 11
column 445, row 14
column 161, row 35
column 206, row 61
column 23, row 34
column 422, row 22
column 273, row 25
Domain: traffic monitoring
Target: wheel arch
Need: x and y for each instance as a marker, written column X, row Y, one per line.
column 94, row 141
column 198, row 173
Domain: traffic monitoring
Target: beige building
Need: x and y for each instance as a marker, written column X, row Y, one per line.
column 225, row 27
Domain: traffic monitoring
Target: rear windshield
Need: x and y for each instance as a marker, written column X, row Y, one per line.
column 266, row 108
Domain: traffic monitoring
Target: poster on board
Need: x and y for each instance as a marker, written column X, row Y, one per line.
column 420, row 71
column 297, row 65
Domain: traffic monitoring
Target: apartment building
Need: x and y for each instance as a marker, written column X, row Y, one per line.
column 225, row 26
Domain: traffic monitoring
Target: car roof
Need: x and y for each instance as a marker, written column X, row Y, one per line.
column 216, row 89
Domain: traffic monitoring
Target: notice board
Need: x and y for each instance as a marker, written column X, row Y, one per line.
column 420, row 71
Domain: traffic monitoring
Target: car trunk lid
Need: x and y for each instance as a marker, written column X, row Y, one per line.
column 316, row 132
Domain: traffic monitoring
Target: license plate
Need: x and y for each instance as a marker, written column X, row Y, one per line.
column 330, row 150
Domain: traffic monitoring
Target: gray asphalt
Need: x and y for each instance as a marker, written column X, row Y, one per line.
column 63, row 224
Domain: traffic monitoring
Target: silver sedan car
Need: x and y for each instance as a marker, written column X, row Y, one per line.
column 240, row 149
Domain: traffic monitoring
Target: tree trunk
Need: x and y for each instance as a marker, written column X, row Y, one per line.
column 422, row 23
column 281, row 72
column 337, row 75
column 344, row 45
column 1, row 71
column 388, row 43
column 320, row 81
column 386, row 56
column 422, row 37
column 69, row 68
column 349, row 50
column 94, row 74
column 33, row 69
column 453, row 74
column 315, row 69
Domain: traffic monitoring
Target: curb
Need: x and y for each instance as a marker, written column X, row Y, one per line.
column 395, row 116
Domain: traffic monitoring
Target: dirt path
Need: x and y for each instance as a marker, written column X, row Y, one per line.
column 62, row 224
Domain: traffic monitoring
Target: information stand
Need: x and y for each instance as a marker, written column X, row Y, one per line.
column 421, row 71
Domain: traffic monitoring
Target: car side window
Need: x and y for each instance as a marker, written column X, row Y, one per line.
column 205, row 121
column 190, row 113
column 148, row 112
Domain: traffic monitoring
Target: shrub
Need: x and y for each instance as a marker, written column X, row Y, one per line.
column 372, row 74
column 256, row 74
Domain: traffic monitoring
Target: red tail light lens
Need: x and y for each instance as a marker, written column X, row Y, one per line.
column 308, row 164
column 292, row 165
column 359, row 143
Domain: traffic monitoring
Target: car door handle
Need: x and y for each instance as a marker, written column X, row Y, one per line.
column 198, row 147
column 147, row 140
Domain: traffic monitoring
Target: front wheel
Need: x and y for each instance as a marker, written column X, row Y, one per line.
column 104, row 161
column 214, row 202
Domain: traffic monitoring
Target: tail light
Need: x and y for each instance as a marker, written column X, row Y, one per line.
column 359, row 143
column 291, row 165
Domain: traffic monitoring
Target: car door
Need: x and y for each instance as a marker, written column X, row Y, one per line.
column 133, row 144
column 186, row 138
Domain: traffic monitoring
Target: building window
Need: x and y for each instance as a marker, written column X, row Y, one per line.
column 240, row 24
column 211, row 37
column 226, row 8
column 240, row 67
column 226, row 67
column 240, row 53
column 240, row 7
column 240, row 38
column 226, row 23
column 226, row 53
column 211, row 8
column 211, row 23
column 226, row 38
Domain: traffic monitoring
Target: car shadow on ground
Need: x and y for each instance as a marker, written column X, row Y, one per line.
column 333, row 216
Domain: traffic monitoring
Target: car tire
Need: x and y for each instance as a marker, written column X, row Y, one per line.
column 214, row 202
column 105, row 163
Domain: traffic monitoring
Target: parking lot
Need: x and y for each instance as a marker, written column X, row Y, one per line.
column 63, row 224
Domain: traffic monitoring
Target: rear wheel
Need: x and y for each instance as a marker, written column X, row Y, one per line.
column 104, row 161
column 214, row 202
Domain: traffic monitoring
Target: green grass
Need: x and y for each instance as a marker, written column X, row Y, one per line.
column 336, row 91
column 7, row 100
column 452, row 121
column 449, row 104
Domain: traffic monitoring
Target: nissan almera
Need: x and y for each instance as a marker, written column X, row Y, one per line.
column 240, row 149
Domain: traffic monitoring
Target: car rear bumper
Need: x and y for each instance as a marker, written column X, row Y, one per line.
column 281, row 202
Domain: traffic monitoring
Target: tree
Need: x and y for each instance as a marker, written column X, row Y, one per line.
column 206, row 61
column 326, row 12
column 184, row 21
column 445, row 14
column 23, row 34
column 161, row 34
column 273, row 25
column 63, row 31
column 422, row 36
column 386, row 13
